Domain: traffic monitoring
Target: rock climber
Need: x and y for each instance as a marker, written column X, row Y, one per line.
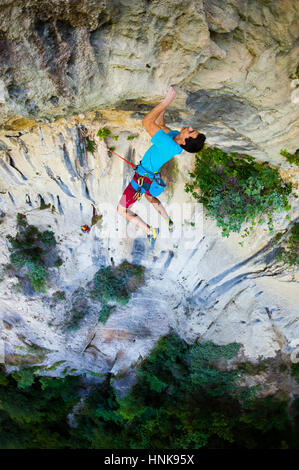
column 166, row 144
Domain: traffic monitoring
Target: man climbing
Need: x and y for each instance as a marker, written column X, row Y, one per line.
column 166, row 144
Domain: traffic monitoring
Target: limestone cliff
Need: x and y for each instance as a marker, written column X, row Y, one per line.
column 68, row 63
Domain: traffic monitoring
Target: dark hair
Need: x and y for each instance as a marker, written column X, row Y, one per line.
column 194, row 144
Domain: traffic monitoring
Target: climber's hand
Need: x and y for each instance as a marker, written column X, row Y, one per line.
column 170, row 96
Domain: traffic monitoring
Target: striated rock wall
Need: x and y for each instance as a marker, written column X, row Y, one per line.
column 196, row 283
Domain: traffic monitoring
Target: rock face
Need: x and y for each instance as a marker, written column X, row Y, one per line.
column 233, row 63
column 197, row 283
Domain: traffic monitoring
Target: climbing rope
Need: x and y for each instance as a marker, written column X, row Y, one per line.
column 94, row 139
column 85, row 134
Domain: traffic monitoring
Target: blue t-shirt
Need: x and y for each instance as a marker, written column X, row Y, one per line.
column 162, row 150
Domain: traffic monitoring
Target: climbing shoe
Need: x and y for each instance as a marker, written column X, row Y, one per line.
column 153, row 237
column 170, row 225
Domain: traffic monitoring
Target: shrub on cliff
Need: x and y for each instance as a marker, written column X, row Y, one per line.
column 111, row 285
column 289, row 252
column 115, row 284
column 91, row 146
column 236, row 189
column 30, row 249
column 292, row 158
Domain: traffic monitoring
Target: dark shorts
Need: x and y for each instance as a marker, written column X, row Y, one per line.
column 127, row 199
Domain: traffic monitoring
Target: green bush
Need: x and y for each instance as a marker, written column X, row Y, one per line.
column 237, row 189
column 91, row 146
column 24, row 378
column 47, row 237
column 58, row 263
column 37, row 274
column 289, row 253
column 103, row 133
column 292, row 158
column 114, row 284
column 111, row 284
column 59, row 295
column 30, row 248
column 108, row 286
column 105, row 312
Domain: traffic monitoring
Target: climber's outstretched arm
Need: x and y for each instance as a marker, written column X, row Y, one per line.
column 160, row 122
column 149, row 120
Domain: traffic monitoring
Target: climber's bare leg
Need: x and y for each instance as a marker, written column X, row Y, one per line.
column 133, row 218
column 157, row 205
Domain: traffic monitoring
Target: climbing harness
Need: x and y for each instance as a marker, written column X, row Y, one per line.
column 157, row 185
column 138, row 193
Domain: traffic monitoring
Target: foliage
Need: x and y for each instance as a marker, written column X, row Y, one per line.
column 108, row 286
column 289, row 253
column 37, row 274
column 105, row 312
column 59, row 295
column 91, row 146
column 114, row 284
column 77, row 314
column 184, row 398
column 33, row 411
column 30, row 248
column 103, row 133
column 58, row 263
column 21, row 219
column 44, row 206
column 24, row 378
column 47, row 237
column 237, row 190
column 292, row 158
column 99, row 423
